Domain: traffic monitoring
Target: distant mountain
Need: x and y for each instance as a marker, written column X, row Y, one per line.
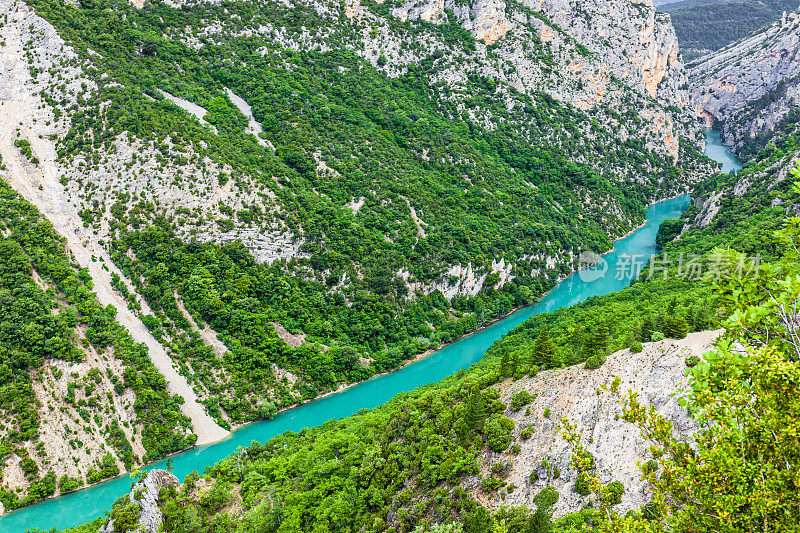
column 707, row 25
column 751, row 89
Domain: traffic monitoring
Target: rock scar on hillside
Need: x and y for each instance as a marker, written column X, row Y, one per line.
column 657, row 374
column 20, row 112
column 208, row 335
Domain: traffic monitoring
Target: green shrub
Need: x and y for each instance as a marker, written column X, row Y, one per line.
column 588, row 455
column 491, row 484
column 67, row 484
column 519, row 400
column 594, row 362
column 650, row 511
column 498, row 432
column 650, row 466
column 636, row 347
column 582, row 484
column 501, row 469
column 125, row 515
column 657, row 336
column 547, row 413
column 547, row 497
column 692, row 361
column 614, row 491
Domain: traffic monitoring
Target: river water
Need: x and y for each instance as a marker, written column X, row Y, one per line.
column 84, row 505
column 720, row 153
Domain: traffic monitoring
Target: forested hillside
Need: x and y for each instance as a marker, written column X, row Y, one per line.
column 441, row 458
column 704, row 26
column 447, row 457
column 274, row 200
column 80, row 401
column 301, row 196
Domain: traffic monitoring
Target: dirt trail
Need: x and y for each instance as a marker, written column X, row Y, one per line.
column 40, row 186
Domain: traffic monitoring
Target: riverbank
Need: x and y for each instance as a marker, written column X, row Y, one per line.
column 83, row 505
column 423, row 355
column 344, row 388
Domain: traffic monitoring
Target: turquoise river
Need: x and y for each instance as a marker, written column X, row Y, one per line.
column 720, row 153
column 84, row 505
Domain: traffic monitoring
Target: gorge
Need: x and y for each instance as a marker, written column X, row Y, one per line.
column 84, row 505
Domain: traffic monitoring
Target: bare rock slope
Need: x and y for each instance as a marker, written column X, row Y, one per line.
column 657, row 374
column 22, row 116
column 752, row 85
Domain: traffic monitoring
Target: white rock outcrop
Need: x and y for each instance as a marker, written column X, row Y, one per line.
column 145, row 495
column 658, row 374
column 750, row 85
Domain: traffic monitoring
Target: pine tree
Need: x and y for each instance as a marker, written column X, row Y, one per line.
column 676, row 328
column 601, row 339
column 543, row 350
column 514, row 363
column 597, row 341
column 691, row 318
column 646, row 329
column 475, row 412
column 505, row 364
column 673, row 303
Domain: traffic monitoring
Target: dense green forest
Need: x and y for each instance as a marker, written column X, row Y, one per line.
column 443, row 176
column 40, row 323
column 707, row 25
column 241, row 300
column 400, row 467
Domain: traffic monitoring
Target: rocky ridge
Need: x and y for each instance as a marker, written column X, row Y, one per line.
column 751, row 86
column 657, row 374
column 145, row 494
column 765, row 178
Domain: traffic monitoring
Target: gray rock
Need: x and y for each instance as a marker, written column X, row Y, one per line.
column 752, row 84
column 145, row 494
column 657, row 374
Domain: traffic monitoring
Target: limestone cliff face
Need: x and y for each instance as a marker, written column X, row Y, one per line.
column 752, row 85
column 656, row 374
column 639, row 45
column 486, row 19
column 635, row 44
column 624, row 42
column 145, row 495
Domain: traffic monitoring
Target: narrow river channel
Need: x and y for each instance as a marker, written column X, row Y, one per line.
column 84, row 505
column 720, row 153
